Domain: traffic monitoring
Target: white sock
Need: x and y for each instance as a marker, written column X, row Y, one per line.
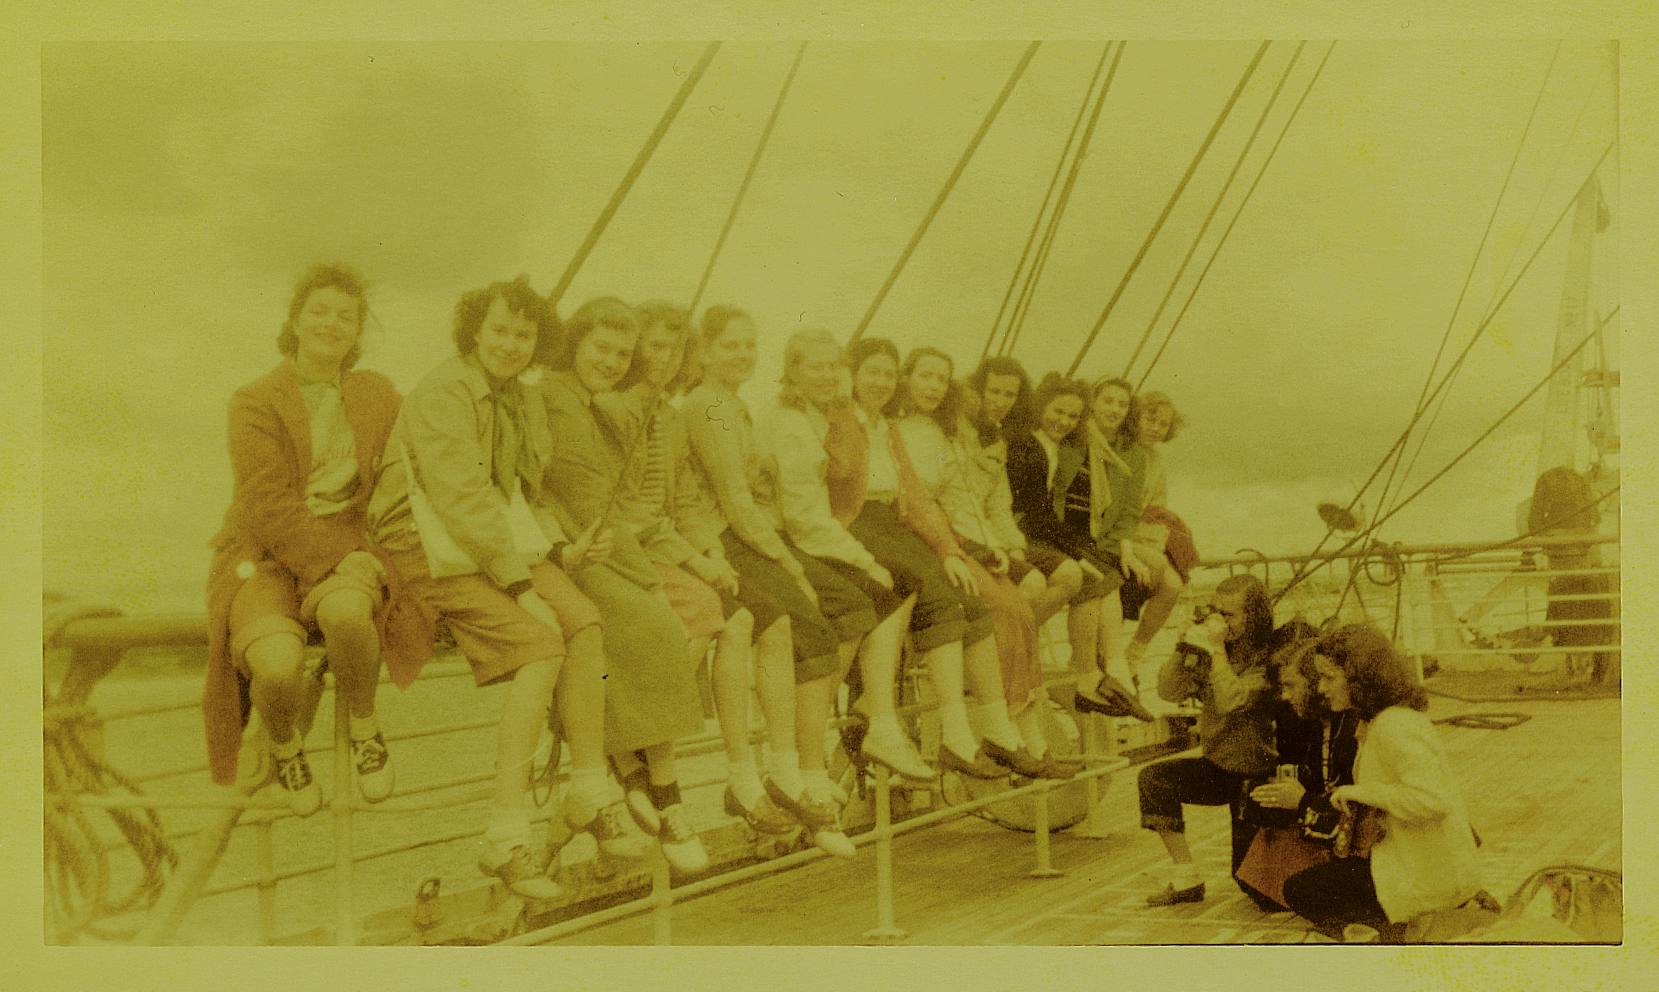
column 508, row 828
column 816, row 783
column 1183, row 876
column 287, row 748
column 744, row 780
column 955, row 730
column 785, row 769
column 364, row 727
column 1031, row 729
column 992, row 720
column 1133, row 652
column 589, row 789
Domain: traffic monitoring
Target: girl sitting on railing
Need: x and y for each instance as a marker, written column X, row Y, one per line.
column 874, row 491
column 293, row 556
column 936, row 437
column 829, row 616
column 1163, row 544
column 790, row 441
column 668, row 505
column 1045, row 444
column 651, row 696
column 458, row 507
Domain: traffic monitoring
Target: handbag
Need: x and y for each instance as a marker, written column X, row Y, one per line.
column 1275, row 854
column 446, row 558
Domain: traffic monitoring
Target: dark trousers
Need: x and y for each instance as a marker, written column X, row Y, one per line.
column 1336, row 893
column 1166, row 786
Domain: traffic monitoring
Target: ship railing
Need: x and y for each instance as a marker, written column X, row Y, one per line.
column 1420, row 587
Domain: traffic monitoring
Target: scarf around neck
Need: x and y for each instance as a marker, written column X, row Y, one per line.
column 1102, row 456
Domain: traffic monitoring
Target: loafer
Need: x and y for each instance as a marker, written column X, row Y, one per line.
column 895, row 752
column 1020, row 762
column 764, row 817
column 1118, row 692
column 981, row 767
column 1170, row 895
column 1057, row 768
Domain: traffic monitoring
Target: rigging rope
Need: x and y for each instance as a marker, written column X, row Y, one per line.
column 77, row 862
column 748, row 175
column 1549, row 181
column 1228, row 230
column 1474, row 263
column 1169, row 205
column 1372, row 528
column 1028, row 292
column 1215, row 207
column 1036, row 222
column 1480, row 330
column 638, row 166
column 950, row 184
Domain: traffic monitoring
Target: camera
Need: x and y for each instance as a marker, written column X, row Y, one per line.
column 1192, row 656
column 1202, row 612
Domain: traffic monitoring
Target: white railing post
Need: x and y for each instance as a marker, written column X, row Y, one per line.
column 662, row 902
column 1044, row 868
column 345, row 926
column 265, row 852
column 885, row 931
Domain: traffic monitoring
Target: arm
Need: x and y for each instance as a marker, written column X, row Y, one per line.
column 922, row 513
column 1177, row 681
column 275, row 513
column 443, row 440
column 1129, row 500
column 1233, row 690
column 999, row 515
column 712, row 432
column 696, row 518
column 802, row 497
column 1422, row 789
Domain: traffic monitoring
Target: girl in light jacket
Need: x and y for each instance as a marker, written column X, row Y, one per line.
column 1425, row 860
column 828, row 617
column 936, row 437
column 791, row 443
column 463, row 478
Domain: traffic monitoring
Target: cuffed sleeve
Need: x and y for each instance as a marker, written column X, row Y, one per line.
column 1422, row 789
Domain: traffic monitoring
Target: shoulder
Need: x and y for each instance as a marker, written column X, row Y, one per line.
column 263, row 394
column 1400, row 726
column 368, row 383
column 704, row 405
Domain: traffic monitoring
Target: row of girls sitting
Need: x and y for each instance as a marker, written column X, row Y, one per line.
column 588, row 509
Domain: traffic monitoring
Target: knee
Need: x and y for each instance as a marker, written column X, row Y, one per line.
column 779, row 636
column 1068, row 576
column 345, row 613
column 276, row 659
column 1033, row 585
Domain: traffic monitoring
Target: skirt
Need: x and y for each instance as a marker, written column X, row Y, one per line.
column 943, row 612
column 770, row 592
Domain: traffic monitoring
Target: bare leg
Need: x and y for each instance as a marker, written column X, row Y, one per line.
column 775, row 682
column 1083, row 626
column 275, row 662
column 1158, row 608
column 730, row 675
column 1176, row 844
column 879, row 664
column 581, row 696
column 946, row 664
column 984, row 670
column 523, row 716
column 1049, row 595
column 1111, row 623
column 346, row 618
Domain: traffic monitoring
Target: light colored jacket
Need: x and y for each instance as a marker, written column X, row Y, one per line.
column 793, row 441
column 969, row 479
column 447, row 430
column 724, row 452
column 1426, row 859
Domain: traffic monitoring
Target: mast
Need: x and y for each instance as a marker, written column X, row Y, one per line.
column 1559, row 443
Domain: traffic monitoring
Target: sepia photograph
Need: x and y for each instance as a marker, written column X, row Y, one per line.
column 840, row 493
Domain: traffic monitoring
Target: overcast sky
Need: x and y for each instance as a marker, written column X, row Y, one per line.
column 186, row 185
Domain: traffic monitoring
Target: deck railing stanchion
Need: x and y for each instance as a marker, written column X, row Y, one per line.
column 345, row 927
column 1044, row 868
column 662, row 902
column 1094, row 822
column 885, row 930
column 267, row 882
